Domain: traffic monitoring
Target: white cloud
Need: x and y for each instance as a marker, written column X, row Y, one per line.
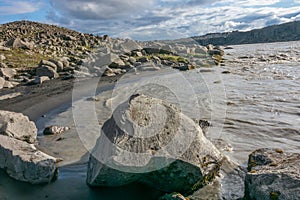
column 18, row 7
column 100, row 9
column 166, row 19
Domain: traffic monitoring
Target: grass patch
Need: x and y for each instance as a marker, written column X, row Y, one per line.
column 19, row 58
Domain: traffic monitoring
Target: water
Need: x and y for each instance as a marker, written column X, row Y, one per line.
column 255, row 104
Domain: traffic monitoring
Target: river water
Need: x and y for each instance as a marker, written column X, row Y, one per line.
column 252, row 102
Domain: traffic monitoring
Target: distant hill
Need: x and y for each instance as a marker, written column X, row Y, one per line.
column 276, row 33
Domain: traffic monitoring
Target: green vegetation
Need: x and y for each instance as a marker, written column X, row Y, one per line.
column 19, row 58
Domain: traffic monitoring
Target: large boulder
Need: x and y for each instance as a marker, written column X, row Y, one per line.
column 18, row 43
column 18, row 126
column 150, row 141
column 23, row 162
column 45, row 70
column 273, row 174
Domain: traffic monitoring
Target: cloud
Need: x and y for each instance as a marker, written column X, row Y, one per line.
column 100, row 9
column 166, row 19
column 18, row 7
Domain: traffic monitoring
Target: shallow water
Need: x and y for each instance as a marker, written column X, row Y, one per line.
column 255, row 104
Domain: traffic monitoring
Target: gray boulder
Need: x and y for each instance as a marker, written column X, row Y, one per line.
column 59, row 65
column 46, row 71
column 273, row 174
column 7, row 73
column 150, row 141
column 18, row 126
column 23, row 162
column 18, row 43
column 48, row 63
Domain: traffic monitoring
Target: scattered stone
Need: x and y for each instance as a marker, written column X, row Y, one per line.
column 273, row 174
column 2, row 48
column 9, row 84
column 46, row 71
column 7, row 73
column 117, row 63
column 173, row 196
column 2, row 82
column 226, row 72
column 18, row 126
column 54, row 130
column 9, row 96
column 2, row 57
column 59, row 65
column 143, row 59
column 65, row 62
column 23, row 162
column 48, row 63
column 41, row 79
column 93, row 99
column 204, row 124
column 174, row 157
column 3, row 65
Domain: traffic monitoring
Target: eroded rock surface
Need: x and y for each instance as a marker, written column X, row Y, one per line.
column 23, row 162
column 150, row 141
column 273, row 174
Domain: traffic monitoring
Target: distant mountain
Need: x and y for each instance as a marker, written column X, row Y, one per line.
column 276, row 33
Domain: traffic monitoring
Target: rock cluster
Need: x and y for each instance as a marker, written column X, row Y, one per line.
column 18, row 156
column 150, row 141
column 29, row 50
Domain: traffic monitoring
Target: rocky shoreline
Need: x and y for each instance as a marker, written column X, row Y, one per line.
column 55, row 58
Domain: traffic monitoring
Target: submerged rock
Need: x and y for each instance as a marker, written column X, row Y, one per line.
column 272, row 175
column 150, row 141
column 18, row 126
column 23, row 162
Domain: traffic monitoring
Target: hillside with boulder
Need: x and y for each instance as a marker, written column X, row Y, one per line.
column 31, row 53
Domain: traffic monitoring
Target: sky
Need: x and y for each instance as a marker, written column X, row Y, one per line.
column 153, row 19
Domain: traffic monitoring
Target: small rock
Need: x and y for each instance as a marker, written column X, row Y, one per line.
column 59, row 65
column 143, row 59
column 10, row 84
column 2, row 57
column 53, row 130
column 117, row 63
column 3, row 65
column 93, row 99
column 48, row 63
column 41, row 79
column 2, row 48
column 173, row 196
column 2, row 82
